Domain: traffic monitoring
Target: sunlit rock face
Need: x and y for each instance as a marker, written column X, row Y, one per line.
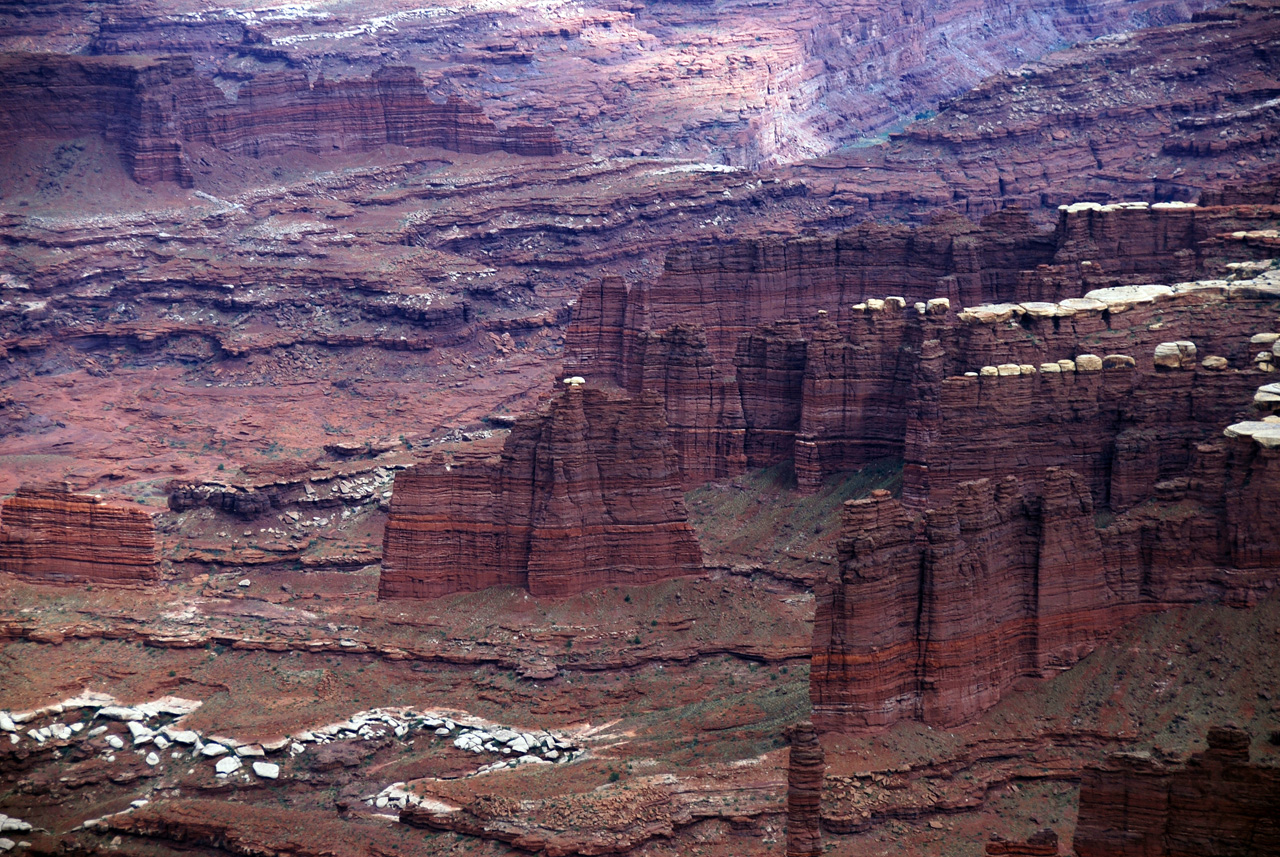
column 154, row 109
column 1137, row 116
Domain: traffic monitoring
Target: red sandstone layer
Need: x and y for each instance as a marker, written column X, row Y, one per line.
column 48, row 533
column 155, row 107
column 991, row 567
column 805, row 769
column 772, row 349
column 1217, row 803
column 584, row 494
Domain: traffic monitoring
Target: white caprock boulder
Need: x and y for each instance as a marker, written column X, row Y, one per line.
column 266, row 770
column 228, row 765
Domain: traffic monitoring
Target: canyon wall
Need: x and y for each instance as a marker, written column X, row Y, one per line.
column 582, row 494
column 1064, row 464
column 935, row 616
column 1164, row 113
column 153, row 108
column 49, row 534
column 768, row 349
column 1218, row 802
column 1043, row 502
column 770, row 83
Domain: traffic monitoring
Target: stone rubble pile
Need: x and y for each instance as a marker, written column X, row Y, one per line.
column 1243, row 281
column 153, row 731
column 8, row 825
column 521, row 748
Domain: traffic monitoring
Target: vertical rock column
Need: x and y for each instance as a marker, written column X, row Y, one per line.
column 804, row 792
column 865, row 667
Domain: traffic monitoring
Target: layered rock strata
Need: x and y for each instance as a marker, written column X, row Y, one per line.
column 804, row 792
column 1217, row 803
column 583, row 494
column 1163, row 113
column 48, row 533
column 1063, row 460
column 935, row 617
column 153, row 108
column 772, row 82
column 1041, row 844
column 768, row 350
column 1044, row 503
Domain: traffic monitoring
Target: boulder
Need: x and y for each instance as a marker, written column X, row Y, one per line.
column 228, row 765
column 1088, row 363
column 1175, row 355
column 266, row 770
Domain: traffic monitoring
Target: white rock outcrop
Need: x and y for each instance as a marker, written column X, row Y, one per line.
column 1175, row 355
column 228, row 765
column 1088, row 363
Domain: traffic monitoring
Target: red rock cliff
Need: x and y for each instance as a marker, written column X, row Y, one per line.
column 1217, row 803
column 806, row 336
column 583, row 494
column 934, row 615
column 1044, row 502
column 48, row 533
column 151, row 107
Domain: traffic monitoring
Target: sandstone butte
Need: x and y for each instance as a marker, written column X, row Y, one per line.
column 583, row 494
column 152, row 107
column 1218, row 802
column 49, row 534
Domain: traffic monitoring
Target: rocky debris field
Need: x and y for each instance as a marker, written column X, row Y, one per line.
column 154, row 731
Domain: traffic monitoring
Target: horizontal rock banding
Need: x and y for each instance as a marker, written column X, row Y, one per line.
column 1217, row 803
column 935, row 617
column 583, row 494
column 1010, row 572
column 1182, row 109
column 771, row 349
column 152, row 107
column 805, row 770
column 48, row 533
